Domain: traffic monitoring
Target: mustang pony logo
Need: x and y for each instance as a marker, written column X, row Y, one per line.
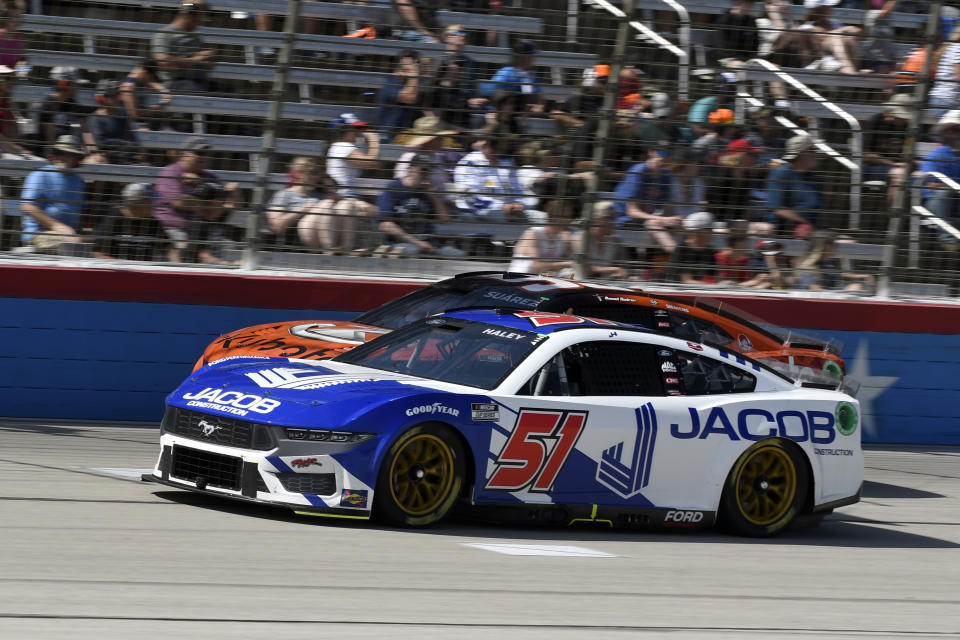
column 628, row 479
column 208, row 429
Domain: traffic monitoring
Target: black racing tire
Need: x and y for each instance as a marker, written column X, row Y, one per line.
column 421, row 477
column 765, row 490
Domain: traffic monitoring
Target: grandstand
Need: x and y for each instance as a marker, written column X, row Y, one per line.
column 694, row 81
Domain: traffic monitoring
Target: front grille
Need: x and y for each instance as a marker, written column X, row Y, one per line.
column 221, row 430
column 323, row 484
column 205, row 468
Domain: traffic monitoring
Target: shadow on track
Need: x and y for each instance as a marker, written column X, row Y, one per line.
column 882, row 490
column 835, row 531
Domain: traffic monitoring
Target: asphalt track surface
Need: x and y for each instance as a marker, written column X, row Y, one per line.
column 87, row 553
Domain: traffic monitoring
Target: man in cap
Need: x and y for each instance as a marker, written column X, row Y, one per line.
column 883, row 144
column 53, row 198
column 59, row 110
column 178, row 197
column 794, row 196
column 111, row 133
column 144, row 77
column 519, row 77
column 945, row 159
column 346, row 160
column 129, row 231
column 693, row 262
column 182, row 55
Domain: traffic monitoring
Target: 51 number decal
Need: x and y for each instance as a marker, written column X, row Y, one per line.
column 535, row 452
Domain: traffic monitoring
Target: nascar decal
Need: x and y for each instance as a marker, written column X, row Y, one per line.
column 535, row 452
column 628, row 477
column 235, row 402
column 293, row 378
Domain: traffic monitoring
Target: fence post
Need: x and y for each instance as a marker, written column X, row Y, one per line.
column 581, row 267
column 902, row 206
column 258, row 205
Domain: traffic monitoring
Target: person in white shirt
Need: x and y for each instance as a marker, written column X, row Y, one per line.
column 345, row 161
column 487, row 183
column 548, row 248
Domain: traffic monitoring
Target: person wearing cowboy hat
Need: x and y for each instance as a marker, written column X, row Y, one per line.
column 794, row 197
column 945, row 158
column 431, row 139
column 53, row 198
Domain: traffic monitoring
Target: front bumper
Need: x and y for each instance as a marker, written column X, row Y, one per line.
column 314, row 485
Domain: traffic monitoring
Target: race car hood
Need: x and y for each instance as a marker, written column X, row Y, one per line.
column 295, row 393
column 310, row 340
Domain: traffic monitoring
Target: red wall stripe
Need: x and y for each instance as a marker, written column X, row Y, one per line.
column 245, row 290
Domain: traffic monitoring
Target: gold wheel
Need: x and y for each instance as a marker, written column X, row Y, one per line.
column 422, row 474
column 766, row 485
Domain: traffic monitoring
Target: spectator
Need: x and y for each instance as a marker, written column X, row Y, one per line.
column 142, row 78
column 60, row 114
column 603, row 248
column 688, row 190
column 945, row 93
column 793, row 193
column 53, row 199
column 877, row 51
column 693, row 261
column 519, row 77
column 766, row 136
column 945, row 159
column 539, row 159
column 579, row 115
column 113, row 140
column 407, row 214
column 13, row 51
column 213, row 204
column 177, row 200
column 886, row 133
column 834, row 45
column 9, row 129
column 401, row 96
column 454, row 93
column 420, row 22
column 182, row 55
column 345, row 160
column 504, row 114
column 644, row 197
column 548, row 248
column 430, row 139
column 292, row 213
column 821, row 269
column 129, row 231
column 731, row 189
column 487, row 184
column 738, row 35
column 772, row 267
column 733, row 262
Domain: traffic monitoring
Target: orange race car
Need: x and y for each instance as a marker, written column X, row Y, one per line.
column 700, row 321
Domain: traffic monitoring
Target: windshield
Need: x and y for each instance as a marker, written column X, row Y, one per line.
column 450, row 350
column 437, row 299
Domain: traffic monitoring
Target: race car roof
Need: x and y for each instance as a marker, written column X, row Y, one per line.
column 538, row 321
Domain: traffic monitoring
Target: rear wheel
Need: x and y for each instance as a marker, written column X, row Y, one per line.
column 765, row 490
column 421, row 477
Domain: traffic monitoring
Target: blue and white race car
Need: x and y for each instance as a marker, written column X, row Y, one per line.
column 551, row 418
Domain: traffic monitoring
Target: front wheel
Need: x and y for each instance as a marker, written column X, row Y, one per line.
column 765, row 490
column 421, row 477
